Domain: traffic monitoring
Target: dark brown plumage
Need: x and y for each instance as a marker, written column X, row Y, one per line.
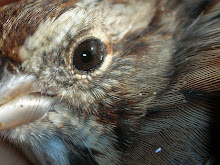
column 110, row 82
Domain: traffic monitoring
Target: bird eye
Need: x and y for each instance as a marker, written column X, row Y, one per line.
column 88, row 55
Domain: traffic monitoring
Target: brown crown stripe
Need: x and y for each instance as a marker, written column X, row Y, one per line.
column 6, row 2
column 21, row 20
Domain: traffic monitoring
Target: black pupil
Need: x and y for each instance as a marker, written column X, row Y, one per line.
column 88, row 55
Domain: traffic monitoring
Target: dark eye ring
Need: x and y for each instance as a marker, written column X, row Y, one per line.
column 88, row 55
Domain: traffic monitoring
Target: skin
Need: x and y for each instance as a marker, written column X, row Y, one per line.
column 138, row 106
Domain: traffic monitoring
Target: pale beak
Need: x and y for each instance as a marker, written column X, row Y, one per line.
column 19, row 102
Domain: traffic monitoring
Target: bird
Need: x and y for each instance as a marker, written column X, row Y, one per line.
column 110, row 82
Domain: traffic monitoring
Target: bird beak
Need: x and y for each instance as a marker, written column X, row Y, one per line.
column 19, row 103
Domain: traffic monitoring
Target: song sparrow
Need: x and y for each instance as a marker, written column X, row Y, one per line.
column 110, row 81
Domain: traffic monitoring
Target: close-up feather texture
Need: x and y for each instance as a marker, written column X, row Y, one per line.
column 109, row 82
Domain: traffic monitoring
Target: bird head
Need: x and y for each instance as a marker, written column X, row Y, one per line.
column 83, row 81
